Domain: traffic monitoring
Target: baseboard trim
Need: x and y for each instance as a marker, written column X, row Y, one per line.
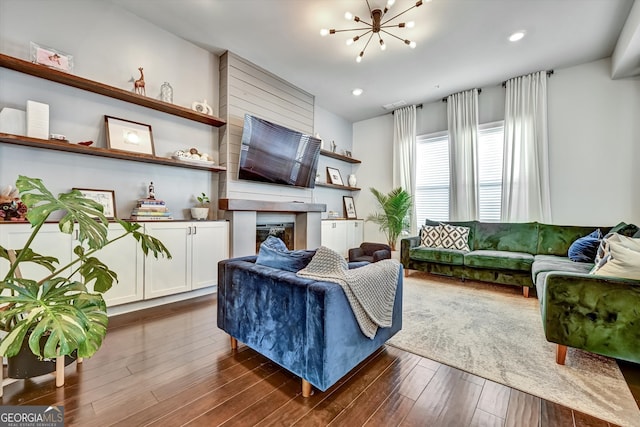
column 142, row 305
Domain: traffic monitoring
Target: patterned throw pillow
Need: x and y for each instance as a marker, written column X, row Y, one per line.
column 430, row 236
column 454, row 237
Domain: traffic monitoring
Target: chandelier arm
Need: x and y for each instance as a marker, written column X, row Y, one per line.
column 367, row 44
column 390, row 26
column 353, row 29
column 392, row 35
column 401, row 13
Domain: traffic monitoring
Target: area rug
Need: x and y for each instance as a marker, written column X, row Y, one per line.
column 494, row 332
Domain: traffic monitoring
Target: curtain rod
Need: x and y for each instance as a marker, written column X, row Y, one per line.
column 445, row 98
column 549, row 74
column 417, row 106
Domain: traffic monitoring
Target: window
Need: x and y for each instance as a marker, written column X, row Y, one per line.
column 432, row 174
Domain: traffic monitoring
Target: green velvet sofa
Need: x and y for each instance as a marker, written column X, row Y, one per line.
column 594, row 313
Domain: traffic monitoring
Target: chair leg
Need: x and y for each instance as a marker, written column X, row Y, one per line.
column 306, row 388
column 561, row 354
column 525, row 291
column 234, row 343
column 59, row 371
column 406, row 272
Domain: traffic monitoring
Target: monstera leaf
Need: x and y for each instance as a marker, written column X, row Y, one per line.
column 58, row 308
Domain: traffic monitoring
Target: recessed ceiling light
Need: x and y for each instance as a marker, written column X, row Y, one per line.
column 518, row 35
column 357, row 91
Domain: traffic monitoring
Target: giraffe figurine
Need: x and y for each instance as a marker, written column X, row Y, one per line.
column 138, row 85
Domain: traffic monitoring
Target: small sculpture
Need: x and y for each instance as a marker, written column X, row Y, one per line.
column 202, row 107
column 138, row 85
column 152, row 191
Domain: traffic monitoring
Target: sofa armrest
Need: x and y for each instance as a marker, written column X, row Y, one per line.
column 594, row 313
column 405, row 245
column 381, row 254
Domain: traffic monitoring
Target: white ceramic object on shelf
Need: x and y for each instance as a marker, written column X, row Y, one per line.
column 352, row 180
column 199, row 213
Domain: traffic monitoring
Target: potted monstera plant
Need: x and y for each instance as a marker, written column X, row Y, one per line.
column 60, row 314
column 394, row 218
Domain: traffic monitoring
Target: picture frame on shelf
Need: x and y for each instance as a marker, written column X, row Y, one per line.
column 51, row 57
column 126, row 135
column 347, row 153
column 349, row 207
column 107, row 198
column 333, row 176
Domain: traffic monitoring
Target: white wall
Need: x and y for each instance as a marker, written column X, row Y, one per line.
column 593, row 135
column 108, row 45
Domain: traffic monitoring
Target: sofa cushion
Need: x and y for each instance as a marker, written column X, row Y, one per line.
column 556, row 239
column 502, row 260
column 430, row 236
column 439, row 255
column 625, row 229
column 547, row 263
column 512, row 237
column 585, row 248
column 274, row 253
column 454, row 237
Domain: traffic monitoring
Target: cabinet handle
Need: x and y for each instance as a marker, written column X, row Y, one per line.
column 195, row 230
column 188, row 230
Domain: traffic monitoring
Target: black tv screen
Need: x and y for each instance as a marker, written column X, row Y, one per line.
column 277, row 155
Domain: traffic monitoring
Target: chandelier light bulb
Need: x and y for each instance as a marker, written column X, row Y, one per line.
column 410, row 24
column 348, row 16
column 359, row 57
column 412, row 45
column 324, row 32
column 390, row 3
column 382, row 45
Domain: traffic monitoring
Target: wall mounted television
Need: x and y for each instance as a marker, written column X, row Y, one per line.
column 277, row 155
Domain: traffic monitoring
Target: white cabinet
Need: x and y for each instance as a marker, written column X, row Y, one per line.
column 49, row 241
column 196, row 248
column 125, row 258
column 342, row 235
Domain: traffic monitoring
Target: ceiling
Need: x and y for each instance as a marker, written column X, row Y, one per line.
column 461, row 44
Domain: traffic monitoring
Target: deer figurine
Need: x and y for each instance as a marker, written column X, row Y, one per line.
column 138, row 85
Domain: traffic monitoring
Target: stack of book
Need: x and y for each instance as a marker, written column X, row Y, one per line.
column 151, row 210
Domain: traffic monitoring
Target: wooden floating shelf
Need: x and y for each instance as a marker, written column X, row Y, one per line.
column 339, row 156
column 101, row 152
column 339, row 187
column 72, row 80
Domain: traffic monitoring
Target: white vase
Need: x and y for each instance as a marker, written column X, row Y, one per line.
column 199, row 213
column 352, row 180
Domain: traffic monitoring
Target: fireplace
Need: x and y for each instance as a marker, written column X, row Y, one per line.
column 283, row 231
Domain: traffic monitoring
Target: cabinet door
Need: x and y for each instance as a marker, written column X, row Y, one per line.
column 334, row 236
column 126, row 259
column 355, row 233
column 50, row 242
column 164, row 276
column 209, row 245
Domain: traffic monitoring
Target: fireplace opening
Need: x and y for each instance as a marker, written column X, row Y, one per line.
column 283, row 231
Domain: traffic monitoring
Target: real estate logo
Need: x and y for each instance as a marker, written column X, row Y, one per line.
column 31, row 416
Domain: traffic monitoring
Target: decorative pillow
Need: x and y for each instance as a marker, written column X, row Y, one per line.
column 625, row 229
column 620, row 257
column 430, row 236
column 454, row 237
column 274, row 253
column 585, row 248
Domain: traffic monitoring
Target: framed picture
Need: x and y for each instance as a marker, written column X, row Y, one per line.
column 129, row 136
column 349, row 207
column 347, row 153
column 333, row 176
column 107, row 198
column 51, row 57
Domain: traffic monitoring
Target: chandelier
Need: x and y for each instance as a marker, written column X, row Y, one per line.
column 376, row 26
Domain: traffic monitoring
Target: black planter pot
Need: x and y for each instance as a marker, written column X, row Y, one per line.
column 25, row 364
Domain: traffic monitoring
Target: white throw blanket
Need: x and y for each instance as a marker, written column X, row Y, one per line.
column 370, row 289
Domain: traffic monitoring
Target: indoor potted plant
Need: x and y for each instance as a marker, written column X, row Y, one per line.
column 58, row 315
column 201, row 211
column 394, row 218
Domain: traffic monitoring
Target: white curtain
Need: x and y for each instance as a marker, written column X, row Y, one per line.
column 525, row 173
column 462, row 115
column 404, row 155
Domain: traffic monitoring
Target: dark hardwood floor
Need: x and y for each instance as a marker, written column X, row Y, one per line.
column 172, row 366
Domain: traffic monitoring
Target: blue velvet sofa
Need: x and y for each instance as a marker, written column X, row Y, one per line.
column 305, row 326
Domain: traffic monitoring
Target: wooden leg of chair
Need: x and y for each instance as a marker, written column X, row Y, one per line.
column 234, row 343
column 1, row 377
column 79, row 360
column 306, row 388
column 406, row 272
column 59, row 371
column 561, row 354
column 525, row 291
